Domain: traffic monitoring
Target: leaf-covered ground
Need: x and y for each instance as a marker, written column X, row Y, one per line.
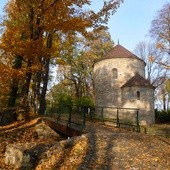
column 100, row 148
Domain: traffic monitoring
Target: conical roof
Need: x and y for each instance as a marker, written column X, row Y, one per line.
column 138, row 80
column 119, row 52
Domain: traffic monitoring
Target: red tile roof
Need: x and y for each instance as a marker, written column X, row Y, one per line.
column 119, row 52
column 138, row 80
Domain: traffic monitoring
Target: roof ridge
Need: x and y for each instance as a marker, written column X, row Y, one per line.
column 137, row 80
column 119, row 52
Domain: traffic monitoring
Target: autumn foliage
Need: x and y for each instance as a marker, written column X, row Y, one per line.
column 33, row 36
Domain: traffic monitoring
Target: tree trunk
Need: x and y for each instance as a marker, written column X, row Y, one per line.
column 42, row 100
column 14, row 86
column 168, row 100
column 25, row 88
column 164, row 102
column 37, row 91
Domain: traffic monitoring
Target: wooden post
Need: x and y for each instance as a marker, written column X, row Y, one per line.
column 59, row 112
column 137, row 121
column 102, row 115
column 118, row 124
column 69, row 119
column 51, row 110
column 90, row 113
column 84, row 115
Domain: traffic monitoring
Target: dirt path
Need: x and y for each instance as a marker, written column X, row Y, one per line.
column 100, row 148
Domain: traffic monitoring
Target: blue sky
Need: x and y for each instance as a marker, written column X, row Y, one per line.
column 131, row 23
column 2, row 3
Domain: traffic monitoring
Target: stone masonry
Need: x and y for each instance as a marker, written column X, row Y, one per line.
column 127, row 89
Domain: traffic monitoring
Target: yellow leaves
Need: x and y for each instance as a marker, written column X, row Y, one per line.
column 159, row 46
column 151, row 59
column 29, row 23
column 60, row 61
column 66, row 19
column 168, row 85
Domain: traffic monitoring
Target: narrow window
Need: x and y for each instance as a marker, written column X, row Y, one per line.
column 138, row 95
column 114, row 72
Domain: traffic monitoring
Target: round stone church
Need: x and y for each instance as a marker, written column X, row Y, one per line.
column 120, row 82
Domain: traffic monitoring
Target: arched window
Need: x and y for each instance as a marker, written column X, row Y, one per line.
column 138, row 95
column 114, row 72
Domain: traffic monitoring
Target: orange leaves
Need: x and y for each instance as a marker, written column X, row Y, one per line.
column 151, row 59
column 160, row 28
column 60, row 62
column 4, row 82
column 28, row 22
column 159, row 46
column 39, row 30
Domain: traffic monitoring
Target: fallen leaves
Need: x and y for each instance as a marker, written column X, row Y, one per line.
column 101, row 147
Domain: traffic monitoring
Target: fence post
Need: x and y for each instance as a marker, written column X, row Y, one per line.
column 84, row 115
column 51, row 109
column 59, row 114
column 137, row 121
column 118, row 124
column 102, row 115
column 69, row 118
column 90, row 113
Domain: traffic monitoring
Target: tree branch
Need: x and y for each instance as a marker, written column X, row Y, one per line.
column 50, row 6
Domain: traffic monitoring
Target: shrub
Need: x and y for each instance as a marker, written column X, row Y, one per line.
column 64, row 99
column 84, row 101
column 7, row 116
column 162, row 116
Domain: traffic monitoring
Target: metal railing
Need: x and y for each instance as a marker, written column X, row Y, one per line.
column 77, row 116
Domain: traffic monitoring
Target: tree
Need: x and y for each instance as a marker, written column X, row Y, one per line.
column 159, row 30
column 163, row 94
column 154, row 72
column 4, row 80
column 167, row 86
column 77, row 66
column 33, row 31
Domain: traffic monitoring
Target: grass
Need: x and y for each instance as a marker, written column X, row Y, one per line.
column 157, row 129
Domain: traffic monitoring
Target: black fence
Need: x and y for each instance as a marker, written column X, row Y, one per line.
column 76, row 116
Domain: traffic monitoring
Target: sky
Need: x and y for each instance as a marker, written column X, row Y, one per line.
column 132, row 21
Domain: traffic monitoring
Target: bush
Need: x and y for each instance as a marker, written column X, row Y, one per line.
column 84, row 101
column 7, row 116
column 162, row 116
column 63, row 102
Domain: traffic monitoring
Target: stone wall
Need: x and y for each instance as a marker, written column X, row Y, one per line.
column 18, row 155
column 108, row 92
column 145, row 104
column 107, row 89
column 127, row 115
column 25, row 155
